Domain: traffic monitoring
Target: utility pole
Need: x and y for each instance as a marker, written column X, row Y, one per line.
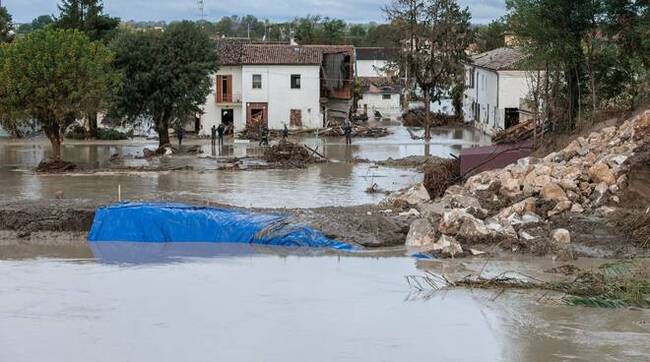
column 201, row 5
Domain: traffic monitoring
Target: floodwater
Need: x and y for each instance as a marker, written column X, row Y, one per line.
column 202, row 303
column 339, row 183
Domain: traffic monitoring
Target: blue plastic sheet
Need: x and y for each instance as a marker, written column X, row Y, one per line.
column 167, row 223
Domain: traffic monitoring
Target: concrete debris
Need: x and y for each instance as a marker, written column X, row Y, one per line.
column 406, row 198
column 447, row 246
column 421, row 234
column 411, row 212
column 521, row 202
column 561, row 236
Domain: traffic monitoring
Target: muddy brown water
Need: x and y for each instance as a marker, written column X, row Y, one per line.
column 339, row 183
column 146, row 302
column 202, row 303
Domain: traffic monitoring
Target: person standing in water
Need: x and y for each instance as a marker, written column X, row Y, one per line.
column 221, row 130
column 285, row 133
column 179, row 134
column 213, row 135
column 347, row 130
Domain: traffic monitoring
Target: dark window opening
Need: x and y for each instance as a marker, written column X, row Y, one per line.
column 511, row 117
column 257, row 81
column 295, row 81
column 224, row 88
column 386, row 96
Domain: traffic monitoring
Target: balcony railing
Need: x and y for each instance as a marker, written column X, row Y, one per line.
column 235, row 98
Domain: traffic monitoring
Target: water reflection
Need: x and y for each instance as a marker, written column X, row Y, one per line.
column 163, row 253
column 340, row 182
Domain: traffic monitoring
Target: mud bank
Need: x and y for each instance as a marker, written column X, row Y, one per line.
column 61, row 222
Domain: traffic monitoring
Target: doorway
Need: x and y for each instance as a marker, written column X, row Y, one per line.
column 257, row 115
column 228, row 120
column 511, row 117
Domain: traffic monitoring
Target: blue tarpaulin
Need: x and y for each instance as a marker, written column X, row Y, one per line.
column 167, row 223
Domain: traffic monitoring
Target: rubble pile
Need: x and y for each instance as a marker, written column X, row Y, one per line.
column 518, row 133
column 291, row 154
column 515, row 207
column 168, row 150
column 417, row 118
column 55, row 166
column 357, row 131
column 439, row 176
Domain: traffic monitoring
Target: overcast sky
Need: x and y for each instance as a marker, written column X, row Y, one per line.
column 350, row 10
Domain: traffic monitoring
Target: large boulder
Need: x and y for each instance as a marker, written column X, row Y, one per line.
column 601, row 172
column 462, row 224
column 411, row 196
column 421, row 234
column 561, row 236
column 553, row 192
column 447, row 246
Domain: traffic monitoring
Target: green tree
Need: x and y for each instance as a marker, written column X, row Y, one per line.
column 333, row 31
column 357, row 34
column 307, row 29
column 49, row 77
column 436, row 34
column 167, row 75
column 87, row 16
column 491, row 36
column 554, row 31
column 42, row 21
column 383, row 35
column 6, row 26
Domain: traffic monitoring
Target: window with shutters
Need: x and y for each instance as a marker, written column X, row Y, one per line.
column 224, row 88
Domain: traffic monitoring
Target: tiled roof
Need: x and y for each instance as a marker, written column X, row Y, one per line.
column 500, row 59
column 280, row 54
column 376, row 53
column 244, row 52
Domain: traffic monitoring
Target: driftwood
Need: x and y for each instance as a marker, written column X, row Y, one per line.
column 518, row 133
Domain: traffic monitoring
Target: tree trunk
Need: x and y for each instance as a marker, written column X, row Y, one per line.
column 92, row 122
column 162, row 127
column 53, row 134
column 427, row 118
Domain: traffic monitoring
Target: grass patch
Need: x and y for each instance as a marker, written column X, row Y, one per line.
column 613, row 285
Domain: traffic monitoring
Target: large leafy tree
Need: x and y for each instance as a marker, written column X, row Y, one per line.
column 436, row 34
column 594, row 52
column 50, row 76
column 490, row 36
column 87, row 16
column 6, row 26
column 167, row 75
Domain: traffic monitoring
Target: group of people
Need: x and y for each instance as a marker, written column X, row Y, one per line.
column 216, row 133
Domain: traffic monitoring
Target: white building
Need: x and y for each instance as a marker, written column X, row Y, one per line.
column 496, row 89
column 380, row 91
column 379, row 94
column 273, row 85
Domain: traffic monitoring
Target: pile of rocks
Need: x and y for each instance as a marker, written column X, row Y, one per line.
column 513, row 206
